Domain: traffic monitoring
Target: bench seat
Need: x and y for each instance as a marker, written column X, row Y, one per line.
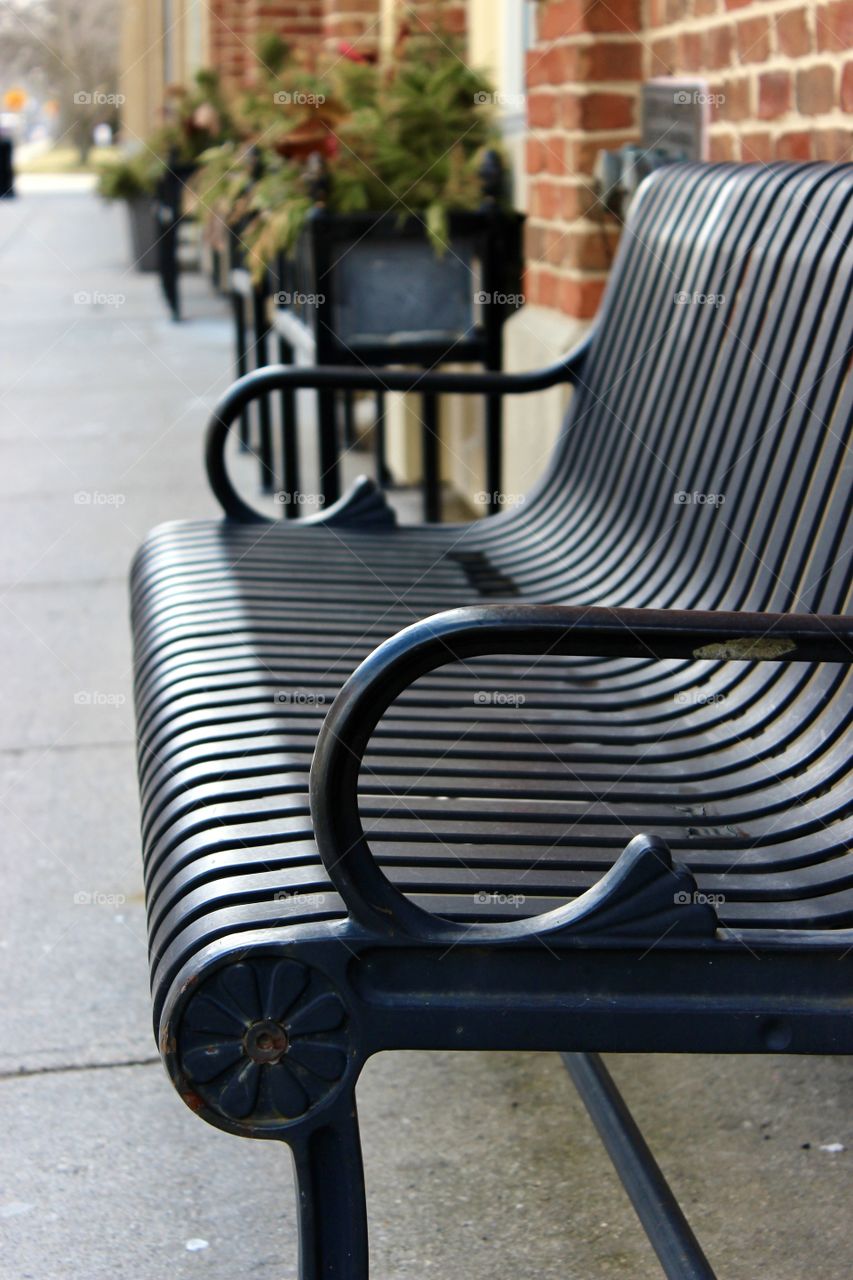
column 479, row 810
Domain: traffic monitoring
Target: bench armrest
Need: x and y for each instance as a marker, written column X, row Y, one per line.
column 279, row 377
column 514, row 629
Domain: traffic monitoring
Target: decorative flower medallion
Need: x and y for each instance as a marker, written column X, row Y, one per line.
column 264, row 1040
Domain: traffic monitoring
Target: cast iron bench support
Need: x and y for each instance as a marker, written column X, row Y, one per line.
column 329, row 1172
column 668, row 1230
column 169, row 202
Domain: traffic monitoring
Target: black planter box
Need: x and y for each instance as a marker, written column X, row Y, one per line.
column 371, row 287
column 144, row 232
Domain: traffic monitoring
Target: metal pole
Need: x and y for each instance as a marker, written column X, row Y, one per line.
column 289, row 444
column 429, row 437
column 669, row 1232
column 261, row 328
column 382, row 478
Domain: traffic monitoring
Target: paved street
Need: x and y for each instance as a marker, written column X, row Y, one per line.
column 478, row 1166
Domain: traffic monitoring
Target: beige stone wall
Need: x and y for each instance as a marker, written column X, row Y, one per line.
column 215, row 33
column 535, row 336
column 141, row 78
column 143, row 57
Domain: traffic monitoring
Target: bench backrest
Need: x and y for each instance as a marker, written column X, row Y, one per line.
column 705, row 460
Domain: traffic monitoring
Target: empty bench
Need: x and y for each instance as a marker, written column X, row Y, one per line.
column 389, row 774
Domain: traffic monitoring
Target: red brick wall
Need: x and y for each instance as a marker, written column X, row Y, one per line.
column 312, row 24
column 582, row 82
column 353, row 22
column 446, row 15
column 782, row 71
column 781, row 76
column 235, row 26
column 358, row 22
column 231, row 36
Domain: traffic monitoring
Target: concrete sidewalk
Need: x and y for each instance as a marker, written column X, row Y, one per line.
column 477, row 1165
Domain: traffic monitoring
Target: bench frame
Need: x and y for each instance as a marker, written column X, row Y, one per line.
column 266, row 1010
column 640, row 923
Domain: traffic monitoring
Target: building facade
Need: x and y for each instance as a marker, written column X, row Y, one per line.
column 568, row 75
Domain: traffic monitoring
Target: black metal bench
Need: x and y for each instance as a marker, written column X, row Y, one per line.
column 602, row 803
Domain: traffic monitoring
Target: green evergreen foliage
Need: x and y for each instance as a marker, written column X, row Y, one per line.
column 407, row 138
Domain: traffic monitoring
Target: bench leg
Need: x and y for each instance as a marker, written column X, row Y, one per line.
column 331, row 1202
column 678, row 1250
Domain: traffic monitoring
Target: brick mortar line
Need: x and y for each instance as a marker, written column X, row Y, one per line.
column 583, row 274
column 573, row 181
column 629, row 88
column 806, row 124
column 697, row 24
column 581, row 226
column 578, row 180
column 540, row 132
column 837, row 61
column 585, row 40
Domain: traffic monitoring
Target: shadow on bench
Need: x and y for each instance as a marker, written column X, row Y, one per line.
column 577, row 772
